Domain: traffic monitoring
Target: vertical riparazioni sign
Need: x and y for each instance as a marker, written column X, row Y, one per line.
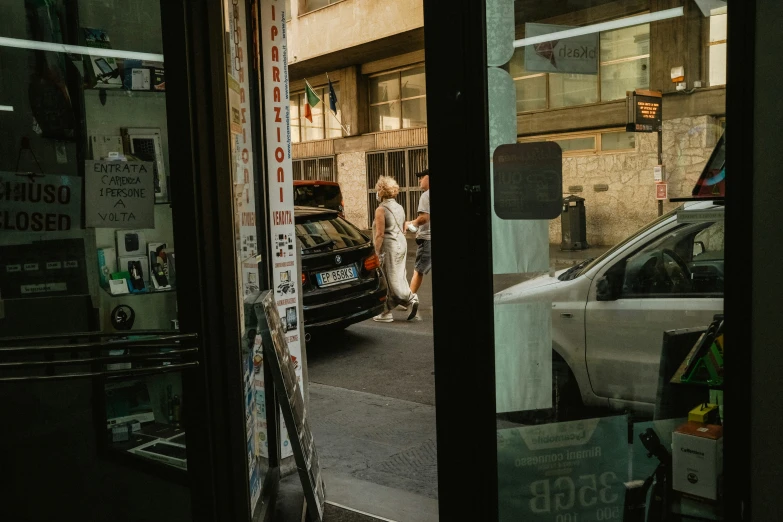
column 285, row 267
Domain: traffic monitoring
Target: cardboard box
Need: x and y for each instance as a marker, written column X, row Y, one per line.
column 697, row 459
column 107, row 264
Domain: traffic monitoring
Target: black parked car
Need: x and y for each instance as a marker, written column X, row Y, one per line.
column 342, row 282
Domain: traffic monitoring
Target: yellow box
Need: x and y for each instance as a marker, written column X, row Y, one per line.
column 704, row 413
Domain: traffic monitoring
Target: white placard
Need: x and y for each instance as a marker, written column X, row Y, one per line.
column 280, row 186
column 37, row 203
column 119, row 194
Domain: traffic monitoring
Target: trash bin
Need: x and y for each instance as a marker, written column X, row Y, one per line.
column 573, row 227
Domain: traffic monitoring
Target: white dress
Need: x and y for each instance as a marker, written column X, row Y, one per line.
column 395, row 252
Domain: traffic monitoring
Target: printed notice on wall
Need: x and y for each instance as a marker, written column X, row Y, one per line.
column 39, row 203
column 119, row 194
column 563, row 471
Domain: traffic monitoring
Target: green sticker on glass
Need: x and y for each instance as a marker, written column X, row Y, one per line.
column 568, row 471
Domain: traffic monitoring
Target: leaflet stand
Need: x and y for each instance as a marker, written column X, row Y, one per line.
column 293, row 407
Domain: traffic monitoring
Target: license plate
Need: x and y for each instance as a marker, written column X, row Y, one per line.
column 333, row 277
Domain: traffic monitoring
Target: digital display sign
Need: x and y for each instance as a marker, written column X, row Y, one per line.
column 645, row 111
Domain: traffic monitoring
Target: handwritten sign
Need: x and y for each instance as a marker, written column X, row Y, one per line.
column 568, row 471
column 119, row 194
column 35, row 203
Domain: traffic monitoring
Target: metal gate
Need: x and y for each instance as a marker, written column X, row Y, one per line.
column 402, row 165
column 314, row 169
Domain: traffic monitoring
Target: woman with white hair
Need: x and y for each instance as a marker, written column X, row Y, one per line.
column 392, row 248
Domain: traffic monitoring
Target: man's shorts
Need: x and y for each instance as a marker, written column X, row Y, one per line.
column 423, row 256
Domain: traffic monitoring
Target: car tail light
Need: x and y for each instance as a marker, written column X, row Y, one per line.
column 371, row 263
column 304, row 278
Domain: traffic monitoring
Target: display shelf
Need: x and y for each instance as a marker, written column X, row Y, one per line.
column 125, row 92
column 149, row 291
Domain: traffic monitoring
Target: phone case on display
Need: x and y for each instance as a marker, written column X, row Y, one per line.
column 159, row 276
column 136, row 276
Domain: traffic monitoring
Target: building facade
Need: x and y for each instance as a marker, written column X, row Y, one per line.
column 373, row 53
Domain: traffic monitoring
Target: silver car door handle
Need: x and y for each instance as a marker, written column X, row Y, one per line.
column 566, row 315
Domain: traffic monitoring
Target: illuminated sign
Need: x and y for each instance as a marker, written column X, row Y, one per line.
column 645, row 111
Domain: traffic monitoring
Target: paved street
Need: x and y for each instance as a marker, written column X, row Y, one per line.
column 372, row 398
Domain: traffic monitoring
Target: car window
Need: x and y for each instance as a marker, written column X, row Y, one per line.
column 322, row 196
column 318, row 233
column 686, row 261
column 595, row 262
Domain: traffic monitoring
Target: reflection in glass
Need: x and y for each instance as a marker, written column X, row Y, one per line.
column 413, row 83
column 566, row 90
column 618, row 140
column 414, row 113
column 618, row 78
column 576, row 144
column 385, row 117
column 385, row 88
column 531, row 93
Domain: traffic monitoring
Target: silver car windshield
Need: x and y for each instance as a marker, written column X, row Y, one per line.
column 621, row 244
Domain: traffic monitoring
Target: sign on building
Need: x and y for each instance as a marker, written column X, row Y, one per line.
column 576, row 55
column 645, row 111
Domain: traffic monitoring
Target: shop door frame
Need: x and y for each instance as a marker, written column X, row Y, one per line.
column 464, row 356
column 196, row 66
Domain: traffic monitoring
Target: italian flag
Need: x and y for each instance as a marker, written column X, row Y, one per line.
column 311, row 100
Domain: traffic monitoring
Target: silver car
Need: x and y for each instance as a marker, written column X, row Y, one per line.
column 609, row 314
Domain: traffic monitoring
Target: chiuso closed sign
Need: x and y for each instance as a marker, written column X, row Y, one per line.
column 39, row 203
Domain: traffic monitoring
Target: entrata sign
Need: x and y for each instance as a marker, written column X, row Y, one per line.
column 39, row 203
column 645, row 111
column 119, row 194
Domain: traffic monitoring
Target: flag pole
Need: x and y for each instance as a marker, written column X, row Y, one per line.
column 336, row 102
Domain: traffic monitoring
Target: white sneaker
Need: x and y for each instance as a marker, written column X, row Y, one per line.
column 385, row 317
column 414, row 307
column 402, row 308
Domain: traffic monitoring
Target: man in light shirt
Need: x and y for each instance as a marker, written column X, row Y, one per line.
column 423, row 235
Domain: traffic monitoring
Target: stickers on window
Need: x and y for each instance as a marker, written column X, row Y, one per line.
column 528, row 180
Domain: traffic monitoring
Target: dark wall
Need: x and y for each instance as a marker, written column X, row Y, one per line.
column 767, row 385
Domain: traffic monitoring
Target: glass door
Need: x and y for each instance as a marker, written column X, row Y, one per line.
column 104, row 251
column 593, row 226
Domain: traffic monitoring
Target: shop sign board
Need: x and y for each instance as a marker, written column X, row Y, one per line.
column 563, row 471
column 280, row 188
column 528, row 180
column 39, row 203
column 119, row 194
column 287, row 385
column 645, row 111
column 575, row 55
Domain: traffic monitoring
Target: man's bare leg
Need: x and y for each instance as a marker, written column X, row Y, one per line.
column 416, row 281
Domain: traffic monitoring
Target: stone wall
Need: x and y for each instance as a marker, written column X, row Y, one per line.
column 352, row 176
column 629, row 203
